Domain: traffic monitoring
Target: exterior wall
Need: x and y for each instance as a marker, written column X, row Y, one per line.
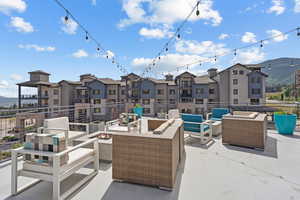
column 97, row 85
column 242, row 86
column 255, row 81
column 161, row 100
column 224, row 88
column 39, row 77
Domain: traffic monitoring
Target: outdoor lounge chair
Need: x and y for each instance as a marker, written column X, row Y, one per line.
column 53, row 165
column 196, row 127
column 217, row 114
column 62, row 124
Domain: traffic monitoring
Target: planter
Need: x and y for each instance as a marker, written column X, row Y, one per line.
column 285, row 124
column 138, row 111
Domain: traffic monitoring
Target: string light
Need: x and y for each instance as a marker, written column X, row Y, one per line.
column 260, row 42
column 88, row 35
column 178, row 36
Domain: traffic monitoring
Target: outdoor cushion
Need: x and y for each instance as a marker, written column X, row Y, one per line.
column 192, row 118
column 195, row 127
column 216, row 119
column 219, row 112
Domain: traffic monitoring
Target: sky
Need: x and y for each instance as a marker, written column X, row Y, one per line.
column 34, row 36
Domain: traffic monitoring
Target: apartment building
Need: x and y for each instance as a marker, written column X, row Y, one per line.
column 104, row 98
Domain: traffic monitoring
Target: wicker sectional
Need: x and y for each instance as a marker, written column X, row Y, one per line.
column 245, row 129
column 149, row 159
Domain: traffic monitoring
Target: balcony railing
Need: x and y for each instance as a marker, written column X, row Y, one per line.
column 29, row 96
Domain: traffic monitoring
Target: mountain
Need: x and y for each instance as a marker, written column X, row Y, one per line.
column 8, row 101
column 281, row 70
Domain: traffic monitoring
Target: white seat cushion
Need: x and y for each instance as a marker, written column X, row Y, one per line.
column 74, row 157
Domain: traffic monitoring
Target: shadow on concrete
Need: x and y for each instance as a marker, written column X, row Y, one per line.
column 195, row 142
column 128, row 191
column 269, row 151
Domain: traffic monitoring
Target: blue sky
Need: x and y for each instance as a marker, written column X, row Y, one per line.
column 34, row 36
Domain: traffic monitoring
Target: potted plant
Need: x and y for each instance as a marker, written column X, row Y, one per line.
column 285, row 122
column 138, row 109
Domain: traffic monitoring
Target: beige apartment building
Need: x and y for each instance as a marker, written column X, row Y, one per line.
column 96, row 98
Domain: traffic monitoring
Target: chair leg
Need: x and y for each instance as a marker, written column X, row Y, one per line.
column 96, row 157
column 56, row 189
column 14, row 171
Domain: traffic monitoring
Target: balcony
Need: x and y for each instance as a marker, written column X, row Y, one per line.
column 29, row 96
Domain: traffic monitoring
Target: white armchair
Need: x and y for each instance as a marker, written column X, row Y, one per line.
column 62, row 124
column 56, row 172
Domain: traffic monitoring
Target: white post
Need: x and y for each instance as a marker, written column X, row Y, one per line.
column 96, row 158
column 56, row 181
column 14, row 175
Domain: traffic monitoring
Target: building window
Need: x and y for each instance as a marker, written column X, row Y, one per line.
column 172, row 92
column 199, row 101
column 147, row 110
column 97, row 110
column 211, row 91
column 97, row 101
column 186, row 83
column 146, row 101
column 235, row 101
column 235, row 91
column 134, row 100
column 146, row 91
column 252, row 80
column 96, row 92
column 172, row 101
column 112, row 92
column 241, row 72
column 254, row 101
column 234, row 72
column 56, row 102
column 46, row 93
column 258, row 80
column 160, row 92
column 199, row 91
column 122, row 92
column 256, row 91
column 55, row 92
column 186, row 100
column 159, row 101
column 235, row 81
column 210, row 101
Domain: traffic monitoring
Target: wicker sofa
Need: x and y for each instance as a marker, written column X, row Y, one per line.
column 247, row 129
column 148, row 158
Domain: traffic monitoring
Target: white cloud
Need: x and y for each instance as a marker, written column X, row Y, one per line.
column 277, row 7
column 223, row 36
column 155, row 33
column 278, row 35
column 94, row 2
column 7, row 6
column 21, row 25
column 249, row 56
column 16, row 77
column 4, row 84
column 80, row 54
column 167, row 12
column 167, row 63
column 37, row 47
column 297, row 6
column 205, row 48
column 70, row 26
column 249, row 37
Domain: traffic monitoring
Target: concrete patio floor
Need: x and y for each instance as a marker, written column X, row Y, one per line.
column 210, row 173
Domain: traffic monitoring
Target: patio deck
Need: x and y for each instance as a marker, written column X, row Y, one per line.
column 215, row 172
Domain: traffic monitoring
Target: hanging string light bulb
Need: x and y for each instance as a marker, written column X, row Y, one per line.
column 178, row 36
column 98, row 48
column 86, row 35
column 261, row 44
column 215, row 58
column 198, row 12
column 67, row 16
column 200, row 64
column 298, row 31
column 235, row 52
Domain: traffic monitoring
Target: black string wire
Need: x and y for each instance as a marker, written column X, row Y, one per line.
column 89, row 36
